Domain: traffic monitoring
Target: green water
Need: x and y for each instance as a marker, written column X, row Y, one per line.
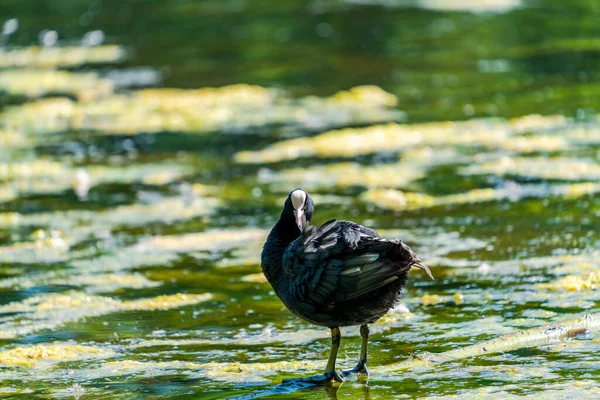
column 173, row 212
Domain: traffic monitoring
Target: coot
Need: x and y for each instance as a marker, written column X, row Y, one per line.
column 340, row 274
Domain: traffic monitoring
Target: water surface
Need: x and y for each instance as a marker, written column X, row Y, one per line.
column 132, row 216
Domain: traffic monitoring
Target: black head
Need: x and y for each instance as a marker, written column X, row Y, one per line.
column 298, row 209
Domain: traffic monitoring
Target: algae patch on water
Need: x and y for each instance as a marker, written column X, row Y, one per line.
column 92, row 283
column 49, row 311
column 214, row 240
column 574, row 283
column 67, row 56
column 345, row 174
column 46, row 176
column 50, row 246
column 31, row 356
column 255, row 278
column 399, row 200
column 37, row 83
column 350, row 142
column 243, row 246
column 565, row 168
column 76, row 225
column 231, row 108
column 238, row 372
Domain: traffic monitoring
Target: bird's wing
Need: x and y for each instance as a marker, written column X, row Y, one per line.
column 342, row 260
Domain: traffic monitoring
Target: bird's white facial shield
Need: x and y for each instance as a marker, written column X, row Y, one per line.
column 298, row 198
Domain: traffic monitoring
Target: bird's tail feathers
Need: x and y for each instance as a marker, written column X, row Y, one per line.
column 419, row 264
column 403, row 252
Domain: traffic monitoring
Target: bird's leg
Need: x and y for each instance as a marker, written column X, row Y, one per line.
column 336, row 338
column 330, row 373
column 361, row 367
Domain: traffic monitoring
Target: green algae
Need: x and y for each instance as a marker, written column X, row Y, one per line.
column 71, row 56
column 398, row 200
column 210, row 240
column 107, row 282
column 45, row 176
column 38, row 83
column 33, row 356
column 590, row 281
column 46, row 312
column 50, row 247
column 531, row 337
column 231, row 108
column 560, row 168
column 75, row 225
column 345, row 175
column 350, row 142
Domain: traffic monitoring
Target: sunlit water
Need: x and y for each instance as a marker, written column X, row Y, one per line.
column 132, row 219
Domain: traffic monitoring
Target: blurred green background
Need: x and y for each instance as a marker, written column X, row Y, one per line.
column 539, row 57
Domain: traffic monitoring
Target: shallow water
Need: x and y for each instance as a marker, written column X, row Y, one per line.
column 132, row 216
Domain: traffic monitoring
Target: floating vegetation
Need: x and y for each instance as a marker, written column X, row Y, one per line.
column 531, row 337
column 70, row 227
column 33, row 356
column 38, row 83
column 120, row 261
column 398, row 200
column 52, row 57
column 412, row 167
column 536, row 144
column 265, row 336
column 237, row 372
column 365, row 95
column 211, row 240
column 550, row 264
column 166, row 210
column 345, row 174
column 255, row 278
column 105, row 274
column 563, row 168
column 230, row 108
column 92, row 283
column 574, row 283
column 49, row 311
column 10, row 140
column 42, row 176
column 351, row 142
column 49, row 246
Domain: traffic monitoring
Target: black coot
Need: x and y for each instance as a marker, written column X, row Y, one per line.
column 340, row 274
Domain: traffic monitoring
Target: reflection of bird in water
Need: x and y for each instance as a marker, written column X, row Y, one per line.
column 331, row 391
column 340, row 274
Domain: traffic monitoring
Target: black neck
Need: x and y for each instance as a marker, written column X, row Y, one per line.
column 283, row 233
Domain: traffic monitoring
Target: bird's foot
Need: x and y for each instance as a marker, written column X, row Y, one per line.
column 360, row 370
column 316, row 379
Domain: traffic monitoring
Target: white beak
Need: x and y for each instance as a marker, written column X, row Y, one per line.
column 300, row 219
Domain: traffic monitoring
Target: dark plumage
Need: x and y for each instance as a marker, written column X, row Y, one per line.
column 340, row 274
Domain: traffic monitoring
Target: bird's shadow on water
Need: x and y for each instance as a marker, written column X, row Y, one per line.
column 330, row 389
